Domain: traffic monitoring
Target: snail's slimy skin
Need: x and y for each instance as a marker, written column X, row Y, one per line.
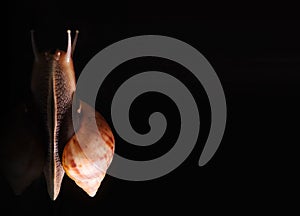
column 53, row 85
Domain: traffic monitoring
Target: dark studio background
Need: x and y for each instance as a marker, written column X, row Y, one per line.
column 258, row 63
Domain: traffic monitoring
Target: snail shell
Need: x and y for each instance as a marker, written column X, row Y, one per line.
column 86, row 163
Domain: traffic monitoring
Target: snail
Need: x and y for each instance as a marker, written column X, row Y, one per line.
column 48, row 133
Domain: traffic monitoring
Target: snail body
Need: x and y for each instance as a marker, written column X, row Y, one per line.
column 53, row 87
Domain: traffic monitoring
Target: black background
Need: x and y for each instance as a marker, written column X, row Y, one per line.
column 257, row 61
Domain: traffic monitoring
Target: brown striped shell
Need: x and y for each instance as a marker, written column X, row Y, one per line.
column 87, row 160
